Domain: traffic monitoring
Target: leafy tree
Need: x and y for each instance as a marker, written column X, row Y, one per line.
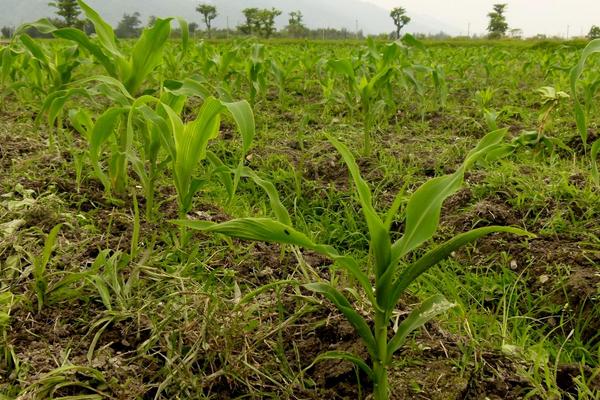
column 267, row 21
column 252, row 24
column 129, row 26
column 498, row 25
column 516, row 33
column 151, row 20
column 7, row 32
column 259, row 21
column 69, row 10
column 209, row 12
column 594, row 32
column 400, row 18
column 193, row 27
column 295, row 26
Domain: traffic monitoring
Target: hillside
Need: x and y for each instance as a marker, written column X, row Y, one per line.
column 317, row 13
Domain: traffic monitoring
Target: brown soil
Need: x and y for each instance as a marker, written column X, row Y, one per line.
column 15, row 147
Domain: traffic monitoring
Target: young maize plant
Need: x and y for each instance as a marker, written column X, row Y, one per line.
column 47, row 74
column 580, row 114
column 390, row 268
column 281, row 72
column 186, row 144
column 367, row 89
column 256, row 72
column 126, row 73
column 40, row 278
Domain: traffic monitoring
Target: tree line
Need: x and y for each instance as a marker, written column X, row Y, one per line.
column 261, row 22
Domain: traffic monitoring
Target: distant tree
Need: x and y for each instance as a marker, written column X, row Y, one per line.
column 7, row 32
column 594, row 32
column 151, row 20
column 252, row 24
column 259, row 21
column 69, row 10
column 400, row 18
column 209, row 12
column 193, row 27
column 516, row 33
column 295, row 26
column 267, row 21
column 497, row 26
column 129, row 26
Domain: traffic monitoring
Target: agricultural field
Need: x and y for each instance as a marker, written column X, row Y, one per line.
column 185, row 219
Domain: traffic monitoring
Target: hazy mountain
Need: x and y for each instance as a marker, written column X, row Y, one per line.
column 317, row 13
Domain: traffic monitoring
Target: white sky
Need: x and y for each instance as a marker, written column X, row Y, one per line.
column 550, row 17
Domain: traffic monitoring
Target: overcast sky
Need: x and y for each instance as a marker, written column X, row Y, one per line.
column 550, row 17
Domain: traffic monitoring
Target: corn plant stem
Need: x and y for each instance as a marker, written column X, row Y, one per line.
column 120, row 177
column 150, row 193
column 184, row 233
column 380, row 389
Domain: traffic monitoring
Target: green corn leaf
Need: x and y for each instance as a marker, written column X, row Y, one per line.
column 487, row 144
column 39, row 267
column 410, row 41
column 428, row 310
column 185, row 35
column 190, row 141
column 346, row 356
column 344, row 306
column 424, row 207
column 104, row 31
column 259, row 229
column 423, row 211
column 104, row 128
column 279, row 210
column 147, row 53
column 49, row 246
column 222, row 171
column 107, row 80
column 380, row 239
column 42, row 25
column 576, row 71
column 243, row 116
column 81, row 121
column 82, row 39
column 594, row 154
column 343, row 67
column 439, row 253
column 269, row 230
column 189, row 144
column 381, row 76
column 35, row 49
column 55, row 103
column 187, row 87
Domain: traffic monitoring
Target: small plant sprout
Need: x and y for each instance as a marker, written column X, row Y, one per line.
column 389, row 272
column 40, row 278
column 187, row 142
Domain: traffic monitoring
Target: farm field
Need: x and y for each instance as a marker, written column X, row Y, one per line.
column 185, row 219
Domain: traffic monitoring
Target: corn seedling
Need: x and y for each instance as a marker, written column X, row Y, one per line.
column 367, row 90
column 187, row 144
column 576, row 72
column 256, row 72
column 580, row 114
column 391, row 271
column 40, row 278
